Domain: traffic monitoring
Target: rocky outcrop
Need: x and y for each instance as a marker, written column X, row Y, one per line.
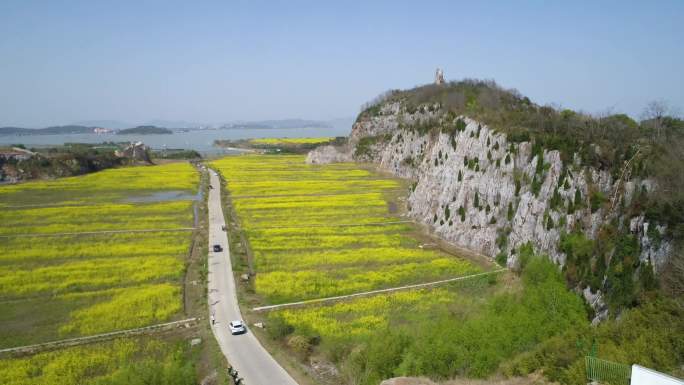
column 479, row 190
column 654, row 249
column 136, row 152
column 390, row 118
column 328, row 154
column 596, row 301
column 465, row 184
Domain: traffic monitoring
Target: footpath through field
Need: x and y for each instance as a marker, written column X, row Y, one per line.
column 244, row 352
column 373, row 292
column 98, row 337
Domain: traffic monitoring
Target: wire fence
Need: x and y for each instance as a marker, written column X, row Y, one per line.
column 190, row 322
column 607, row 372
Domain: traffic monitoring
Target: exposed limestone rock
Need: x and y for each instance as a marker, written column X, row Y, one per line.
column 328, row 154
column 438, row 188
column 466, row 180
column 653, row 249
column 595, row 300
column 389, row 119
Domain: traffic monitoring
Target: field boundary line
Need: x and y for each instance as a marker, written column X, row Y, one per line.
column 94, row 338
column 373, row 292
column 97, row 232
column 334, row 225
column 39, row 205
column 312, row 195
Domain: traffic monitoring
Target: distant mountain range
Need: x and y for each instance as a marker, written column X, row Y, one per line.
column 144, row 130
column 283, row 123
column 173, row 124
column 54, row 130
column 119, row 125
column 176, row 125
column 111, row 124
column 73, row 129
column 166, row 126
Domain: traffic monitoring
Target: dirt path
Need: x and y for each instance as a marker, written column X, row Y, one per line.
column 373, row 292
column 98, row 337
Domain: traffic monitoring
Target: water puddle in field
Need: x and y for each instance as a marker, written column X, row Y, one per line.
column 164, row 196
column 170, row 196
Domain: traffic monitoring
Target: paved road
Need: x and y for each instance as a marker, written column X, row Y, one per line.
column 244, row 352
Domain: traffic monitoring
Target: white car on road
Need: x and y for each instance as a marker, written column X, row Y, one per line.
column 236, row 327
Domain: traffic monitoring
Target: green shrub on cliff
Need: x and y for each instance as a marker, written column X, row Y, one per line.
column 647, row 335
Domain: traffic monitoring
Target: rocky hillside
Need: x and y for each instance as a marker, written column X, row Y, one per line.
column 489, row 177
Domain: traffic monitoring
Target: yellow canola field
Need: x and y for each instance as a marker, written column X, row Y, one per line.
column 361, row 317
column 90, row 364
column 102, row 217
column 87, row 275
column 263, row 219
column 365, row 199
column 312, row 258
column 39, row 251
column 127, row 308
column 284, row 286
column 304, row 187
column 109, row 185
column 292, row 214
column 81, row 284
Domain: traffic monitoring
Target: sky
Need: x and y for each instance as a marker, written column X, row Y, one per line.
column 218, row 61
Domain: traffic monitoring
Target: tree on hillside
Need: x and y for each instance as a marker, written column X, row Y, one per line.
column 654, row 113
column 673, row 275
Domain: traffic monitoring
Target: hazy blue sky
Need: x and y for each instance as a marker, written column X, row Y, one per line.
column 212, row 61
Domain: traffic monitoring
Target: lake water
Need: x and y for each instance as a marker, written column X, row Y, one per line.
column 164, row 196
column 199, row 140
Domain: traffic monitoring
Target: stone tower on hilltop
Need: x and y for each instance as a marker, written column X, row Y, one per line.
column 439, row 76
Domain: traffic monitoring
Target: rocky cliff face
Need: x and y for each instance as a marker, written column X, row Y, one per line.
column 477, row 189
column 329, row 154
